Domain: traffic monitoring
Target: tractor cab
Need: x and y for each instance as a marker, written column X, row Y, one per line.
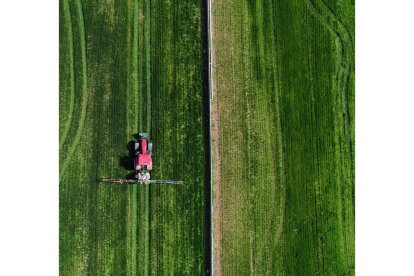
column 143, row 157
column 142, row 165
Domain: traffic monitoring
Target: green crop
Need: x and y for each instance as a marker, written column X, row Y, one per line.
column 128, row 67
column 285, row 91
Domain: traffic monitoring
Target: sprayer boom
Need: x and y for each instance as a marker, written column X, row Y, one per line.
column 141, row 182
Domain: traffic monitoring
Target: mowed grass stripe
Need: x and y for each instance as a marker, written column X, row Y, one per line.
column 177, row 211
column 257, row 146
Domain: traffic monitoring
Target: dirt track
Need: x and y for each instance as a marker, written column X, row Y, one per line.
column 216, row 190
column 216, row 165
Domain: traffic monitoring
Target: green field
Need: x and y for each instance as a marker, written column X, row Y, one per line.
column 282, row 129
column 284, row 89
column 127, row 67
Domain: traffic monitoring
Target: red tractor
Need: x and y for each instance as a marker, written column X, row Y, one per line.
column 142, row 164
column 143, row 157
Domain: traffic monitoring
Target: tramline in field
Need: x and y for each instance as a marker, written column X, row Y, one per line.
column 142, row 165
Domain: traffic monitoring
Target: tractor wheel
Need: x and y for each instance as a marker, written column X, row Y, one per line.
column 150, row 147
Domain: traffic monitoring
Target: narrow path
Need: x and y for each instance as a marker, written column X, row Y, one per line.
column 212, row 192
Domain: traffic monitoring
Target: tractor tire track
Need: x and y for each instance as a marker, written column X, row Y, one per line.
column 135, row 87
column 147, row 34
column 84, row 102
column 344, row 41
column 66, row 127
column 279, row 156
column 148, row 64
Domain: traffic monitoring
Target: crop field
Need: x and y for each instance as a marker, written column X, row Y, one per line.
column 283, row 137
column 128, row 67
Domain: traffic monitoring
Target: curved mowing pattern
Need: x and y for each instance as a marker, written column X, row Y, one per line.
column 284, row 76
column 84, row 102
column 93, row 218
column 68, row 25
column 344, row 142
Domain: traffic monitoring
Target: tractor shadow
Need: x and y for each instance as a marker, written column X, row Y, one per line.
column 127, row 161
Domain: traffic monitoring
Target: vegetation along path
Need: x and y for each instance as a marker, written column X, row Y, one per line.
column 283, row 137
